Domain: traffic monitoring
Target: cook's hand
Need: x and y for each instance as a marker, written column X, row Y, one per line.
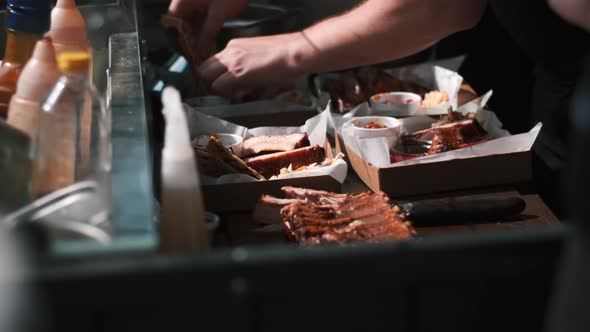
column 575, row 11
column 217, row 12
column 250, row 64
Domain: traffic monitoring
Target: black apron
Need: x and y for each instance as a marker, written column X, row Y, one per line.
column 557, row 50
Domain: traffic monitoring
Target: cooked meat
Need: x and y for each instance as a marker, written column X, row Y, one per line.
column 453, row 136
column 268, row 209
column 217, row 150
column 271, row 164
column 366, row 217
column 183, row 33
column 268, row 144
column 435, row 98
column 452, row 116
column 211, row 165
column 314, row 196
column 346, row 91
column 351, row 89
column 378, row 81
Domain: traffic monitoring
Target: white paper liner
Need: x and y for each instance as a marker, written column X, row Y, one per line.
column 433, row 77
column 315, row 127
column 376, row 150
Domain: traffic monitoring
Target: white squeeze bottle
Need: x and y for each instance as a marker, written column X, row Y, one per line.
column 182, row 223
column 35, row 82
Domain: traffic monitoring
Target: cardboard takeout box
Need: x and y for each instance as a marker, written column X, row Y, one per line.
column 503, row 159
column 242, row 197
column 238, row 192
column 440, row 176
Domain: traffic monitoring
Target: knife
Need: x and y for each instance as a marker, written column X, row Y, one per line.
column 432, row 214
column 462, row 212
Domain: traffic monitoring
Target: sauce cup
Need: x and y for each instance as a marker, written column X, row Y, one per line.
column 231, row 141
column 395, row 103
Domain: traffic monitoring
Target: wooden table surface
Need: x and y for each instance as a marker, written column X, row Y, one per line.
column 239, row 228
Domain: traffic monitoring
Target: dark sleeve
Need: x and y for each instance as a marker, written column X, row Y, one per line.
column 543, row 35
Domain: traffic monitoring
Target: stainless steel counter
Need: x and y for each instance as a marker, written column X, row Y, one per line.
column 113, row 30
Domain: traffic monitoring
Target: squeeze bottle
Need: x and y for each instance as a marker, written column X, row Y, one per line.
column 182, row 224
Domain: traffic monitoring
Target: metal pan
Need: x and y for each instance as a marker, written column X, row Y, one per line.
column 259, row 20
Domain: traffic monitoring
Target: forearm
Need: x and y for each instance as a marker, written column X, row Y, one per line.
column 381, row 30
column 575, row 11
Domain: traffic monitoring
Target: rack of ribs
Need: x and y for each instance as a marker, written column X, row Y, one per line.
column 312, row 217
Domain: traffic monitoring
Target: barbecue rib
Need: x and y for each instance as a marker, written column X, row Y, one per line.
column 452, row 136
column 271, row 164
column 314, row 196
column 269, row 144
column 313, row 217
column 268, row 208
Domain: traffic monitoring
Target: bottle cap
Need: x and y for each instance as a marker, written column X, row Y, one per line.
column 67, row 24
column 34, row 4
column 31, row 16
column 73, row 62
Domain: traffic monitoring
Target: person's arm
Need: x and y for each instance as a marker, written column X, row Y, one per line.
column 383, row 30
column 375, row 31
column 575, row 11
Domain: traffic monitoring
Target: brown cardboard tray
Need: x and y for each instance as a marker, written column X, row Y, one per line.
column 440, row 176
column 242, row 197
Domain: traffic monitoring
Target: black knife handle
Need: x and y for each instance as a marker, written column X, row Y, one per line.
column 462, row 212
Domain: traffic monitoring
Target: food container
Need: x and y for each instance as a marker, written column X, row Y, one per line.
column 376, row 126
column 240, row 192
column 503, row 159
column 231, row 141
column 395, row 103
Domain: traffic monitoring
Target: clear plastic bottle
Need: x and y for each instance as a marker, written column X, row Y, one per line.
column 59, row 152
column 69, row 33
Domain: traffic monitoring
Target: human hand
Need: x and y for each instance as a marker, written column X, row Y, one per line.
column 575, row 11
column 216, row 12
column 249, row 64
